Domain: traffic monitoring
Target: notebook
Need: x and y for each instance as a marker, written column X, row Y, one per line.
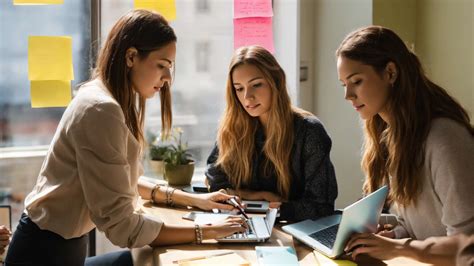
column 230, row 259
column 268, row 256
column 330, row 234
column 259, row 229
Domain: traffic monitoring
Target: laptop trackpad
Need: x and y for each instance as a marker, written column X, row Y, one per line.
column 310, row 226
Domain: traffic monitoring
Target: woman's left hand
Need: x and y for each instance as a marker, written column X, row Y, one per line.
column 376, row 246
column 213, row 200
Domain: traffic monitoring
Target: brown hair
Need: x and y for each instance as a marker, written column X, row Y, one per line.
column 146, row 31
column 413, row 102
column 237, row 129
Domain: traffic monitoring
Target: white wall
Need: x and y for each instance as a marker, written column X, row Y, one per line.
column 445, row 45
column 286, row 35
column 442, row 33
column 332, row 20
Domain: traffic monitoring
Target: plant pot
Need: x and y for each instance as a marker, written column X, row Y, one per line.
column 179, row 175
column 158, row 167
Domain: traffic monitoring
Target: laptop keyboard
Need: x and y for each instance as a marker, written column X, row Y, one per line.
column 246, row 233
column 326, row 236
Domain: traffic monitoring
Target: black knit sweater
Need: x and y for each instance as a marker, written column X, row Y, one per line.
column 313, row 187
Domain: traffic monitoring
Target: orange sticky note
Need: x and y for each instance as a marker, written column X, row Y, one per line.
column 167, row 8
column 253, row 31
column 50, row 93
column 252, row 8
column 37, row 2
column 50, row 58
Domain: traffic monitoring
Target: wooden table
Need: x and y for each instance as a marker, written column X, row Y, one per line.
column 164, row 255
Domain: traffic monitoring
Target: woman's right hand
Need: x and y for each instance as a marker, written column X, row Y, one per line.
column 226, row 227
column 4, row 238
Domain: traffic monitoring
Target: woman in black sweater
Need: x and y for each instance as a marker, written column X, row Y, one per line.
column 268, row 149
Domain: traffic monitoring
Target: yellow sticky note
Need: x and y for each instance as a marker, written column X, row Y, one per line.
column 322, row 260
column 50, row 58
column 167, row 8
column 37, row 2
column 50, row 93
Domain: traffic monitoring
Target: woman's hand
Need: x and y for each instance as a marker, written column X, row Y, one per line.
column 374, row 245
column 271, row 197
column 385, row 230
column 4, row 238
column 257, row 195
column 213, row 200
column 226, row 227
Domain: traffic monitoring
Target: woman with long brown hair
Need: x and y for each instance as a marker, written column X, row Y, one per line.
column 268, row 149
column 90, row 176
column 418, row 140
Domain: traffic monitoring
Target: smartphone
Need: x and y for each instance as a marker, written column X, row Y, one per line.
column 256, row 206
column 200, row 187
column 191, row 216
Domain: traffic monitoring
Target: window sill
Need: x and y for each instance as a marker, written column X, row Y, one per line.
column 23, row 152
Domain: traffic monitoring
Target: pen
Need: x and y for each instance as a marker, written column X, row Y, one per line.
column 202, row 257
column 234, row 203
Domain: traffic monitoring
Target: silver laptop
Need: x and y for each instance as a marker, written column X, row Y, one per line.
column 330, row 234
column 259, row 229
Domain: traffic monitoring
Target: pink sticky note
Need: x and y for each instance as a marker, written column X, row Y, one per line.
column 252, row 8
column 253, row 31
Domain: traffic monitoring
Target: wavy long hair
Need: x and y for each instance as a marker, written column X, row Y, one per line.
column 146, row 31
column 397, row 149
column 237, row 129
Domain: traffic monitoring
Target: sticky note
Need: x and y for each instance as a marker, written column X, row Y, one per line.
column 50, row 58
column 322, row 260
column 253, row 31
column 50, row 93
column 167, row 8
column 37, row 2
column 252, row 8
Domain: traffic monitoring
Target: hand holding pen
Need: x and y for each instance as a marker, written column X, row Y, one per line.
column 233, row 201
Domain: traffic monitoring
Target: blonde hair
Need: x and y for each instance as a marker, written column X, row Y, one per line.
column 237, row 129
column 146, row 31
column 414, row 101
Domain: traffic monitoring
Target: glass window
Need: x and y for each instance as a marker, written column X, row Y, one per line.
column 198, row 91
column 21, row 125
column 26, row 132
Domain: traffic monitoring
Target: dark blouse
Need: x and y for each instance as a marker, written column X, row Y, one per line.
column 313, row 187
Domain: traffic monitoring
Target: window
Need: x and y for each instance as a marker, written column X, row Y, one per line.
column 202, row 6
column 21, row 125
column 202, row 56
column 204, row 49
column 25, row 133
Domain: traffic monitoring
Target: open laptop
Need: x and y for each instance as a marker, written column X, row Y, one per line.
column 330, row 234
column 259, row 229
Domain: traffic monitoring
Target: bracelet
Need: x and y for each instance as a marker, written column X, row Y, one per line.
column 153, row 192
column 198, row 232
column 169, row 195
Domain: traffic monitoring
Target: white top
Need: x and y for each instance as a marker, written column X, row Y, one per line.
column 90, row 173
column 445, row 205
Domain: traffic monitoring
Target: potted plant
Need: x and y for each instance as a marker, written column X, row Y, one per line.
column 179, row 165
column 157, row 151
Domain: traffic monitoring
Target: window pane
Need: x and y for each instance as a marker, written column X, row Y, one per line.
column 205, row 45
column 200, row 78
column 21, row 125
